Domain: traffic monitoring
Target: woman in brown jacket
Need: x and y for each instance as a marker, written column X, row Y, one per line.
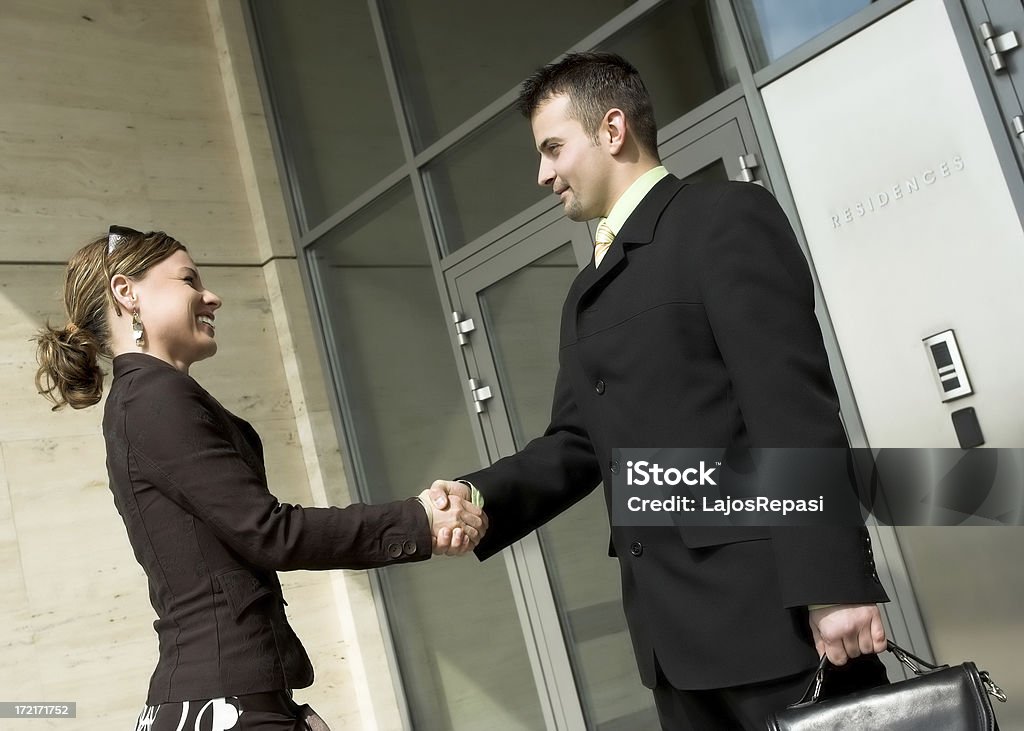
column 188, row 479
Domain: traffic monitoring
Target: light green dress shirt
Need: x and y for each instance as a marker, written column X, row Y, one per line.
column 629, row 200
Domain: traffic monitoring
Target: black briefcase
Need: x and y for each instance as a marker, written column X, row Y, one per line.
column 937, row 698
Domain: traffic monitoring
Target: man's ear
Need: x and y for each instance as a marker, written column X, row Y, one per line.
column 613, row 130
column 123, row 289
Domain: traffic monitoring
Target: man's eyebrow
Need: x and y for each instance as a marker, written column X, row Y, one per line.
column 190, row 269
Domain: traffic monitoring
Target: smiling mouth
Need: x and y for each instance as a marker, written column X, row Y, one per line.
column 204, row 320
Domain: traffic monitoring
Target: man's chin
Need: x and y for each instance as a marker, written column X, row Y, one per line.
column 575, row 213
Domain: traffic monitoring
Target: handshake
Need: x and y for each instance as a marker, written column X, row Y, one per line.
column 457, row 525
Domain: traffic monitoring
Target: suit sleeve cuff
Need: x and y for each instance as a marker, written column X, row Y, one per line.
column 475, row 496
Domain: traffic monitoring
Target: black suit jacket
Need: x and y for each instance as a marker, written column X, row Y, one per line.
column 189, row 481
column 697, row 330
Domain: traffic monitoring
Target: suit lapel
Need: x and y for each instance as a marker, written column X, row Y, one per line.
column 637, row 231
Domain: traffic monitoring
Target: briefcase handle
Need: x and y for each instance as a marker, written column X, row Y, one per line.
column 912, row 661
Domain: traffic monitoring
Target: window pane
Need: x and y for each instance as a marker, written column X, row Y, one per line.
column 484, row 180
column 458, row 640
column 455, row 57
column 491, row 176
column 680, row 52
column 327, row 85
column 773, row 28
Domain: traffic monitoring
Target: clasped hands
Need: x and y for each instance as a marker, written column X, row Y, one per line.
column 457, row 525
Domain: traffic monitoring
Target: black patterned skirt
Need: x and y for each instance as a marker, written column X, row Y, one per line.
column 275, row 711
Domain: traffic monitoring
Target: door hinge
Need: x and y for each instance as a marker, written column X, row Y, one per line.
column 996, row 46
column 748, row 163
column 479, row 394
column 463, row 327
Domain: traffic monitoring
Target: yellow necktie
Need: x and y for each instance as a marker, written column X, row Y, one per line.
column 602, row 240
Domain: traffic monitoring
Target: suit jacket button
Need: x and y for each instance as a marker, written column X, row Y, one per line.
column 636, row 548
column 599, row 387
column 394, row 550
column 409, row 547
column 614, row 467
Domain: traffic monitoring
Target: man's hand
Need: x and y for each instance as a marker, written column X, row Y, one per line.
column 454, row 542
column 457, row 524
column 846, row 631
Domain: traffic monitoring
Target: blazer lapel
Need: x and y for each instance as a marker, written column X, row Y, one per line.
column 637, row 231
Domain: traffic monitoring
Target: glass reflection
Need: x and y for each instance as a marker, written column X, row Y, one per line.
column 680, row 52
column 327, row 83
column 484, row 180
column 773, row 28
column 408, row 424
column 522, row 316
column 453, row 57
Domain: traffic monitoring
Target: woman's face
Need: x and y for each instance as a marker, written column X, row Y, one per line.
column 177, row 312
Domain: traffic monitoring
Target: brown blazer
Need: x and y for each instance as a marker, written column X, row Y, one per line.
column 697, row 330
column 189, row 481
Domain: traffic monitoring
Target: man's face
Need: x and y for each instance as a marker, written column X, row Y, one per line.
column 572, row 164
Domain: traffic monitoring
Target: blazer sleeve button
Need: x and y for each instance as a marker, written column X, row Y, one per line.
column 394, row 550
column 409, row 547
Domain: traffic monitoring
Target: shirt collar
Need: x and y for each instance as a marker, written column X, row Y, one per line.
column 634, row 194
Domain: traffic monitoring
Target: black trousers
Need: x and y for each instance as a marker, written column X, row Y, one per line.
column 745, row 707
column 274, row 711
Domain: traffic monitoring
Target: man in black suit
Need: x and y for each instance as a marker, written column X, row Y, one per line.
column 694, row 328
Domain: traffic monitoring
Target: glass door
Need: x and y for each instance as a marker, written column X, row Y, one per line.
column 570, row 600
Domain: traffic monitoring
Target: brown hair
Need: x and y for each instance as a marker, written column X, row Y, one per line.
column 69, row 372
column 595, row 83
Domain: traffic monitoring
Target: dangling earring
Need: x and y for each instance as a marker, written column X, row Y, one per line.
column 137, row 331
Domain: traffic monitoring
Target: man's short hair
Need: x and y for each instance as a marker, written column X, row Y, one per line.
column 595, row 83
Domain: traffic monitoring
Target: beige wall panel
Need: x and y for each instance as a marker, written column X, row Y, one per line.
column 193, row 180
column 29, row 296
column 286, row 469
column 148, row 114
column 111, row 54
column 311, row 602
column 249, row 124
column 247, row 374
column 13, row 598
column 22, row 669
column 67, row 174
column 62, row 504
column 329, row 459
column 215, row 232
column 119, row 116
column 288, row 299
column 88, row 621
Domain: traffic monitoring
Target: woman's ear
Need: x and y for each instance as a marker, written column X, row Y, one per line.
column 124, row 294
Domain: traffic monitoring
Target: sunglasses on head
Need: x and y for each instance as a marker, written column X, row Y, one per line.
column 117, row 234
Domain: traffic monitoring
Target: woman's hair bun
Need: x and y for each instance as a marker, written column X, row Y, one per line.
column 69, row 371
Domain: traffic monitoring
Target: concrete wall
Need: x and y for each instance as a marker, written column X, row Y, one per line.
column 148, row 114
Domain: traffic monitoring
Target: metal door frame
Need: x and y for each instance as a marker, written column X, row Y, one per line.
column 524, row 560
